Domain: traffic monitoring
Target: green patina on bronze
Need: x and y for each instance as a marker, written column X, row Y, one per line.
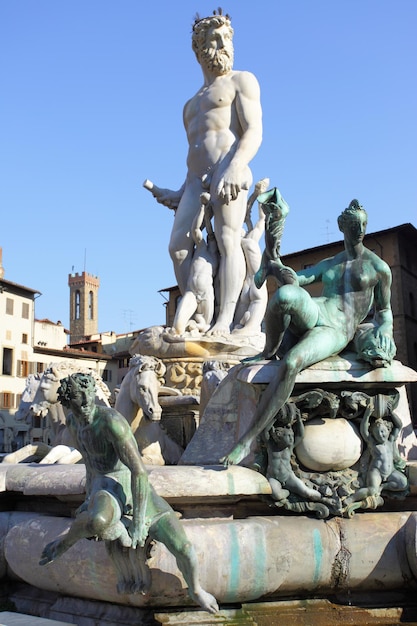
column 303, row 330
column 121, row 506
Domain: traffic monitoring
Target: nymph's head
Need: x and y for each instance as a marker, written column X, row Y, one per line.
column 212, row 42
column 353, row 221
column 354, row 211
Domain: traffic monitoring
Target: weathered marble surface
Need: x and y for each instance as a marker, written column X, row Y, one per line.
column 231, row 409
column 249, row 558
column 170, row 482
column 223, row 121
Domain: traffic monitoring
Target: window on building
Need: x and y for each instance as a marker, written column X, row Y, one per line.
column 40, row 367
column 6, row 400
column 77, row 305
column 23, row 369
column 7, row 361
column 24, row 338
column 106, row 376
column 90, row 305
column 25, row 310
column 36, row 421
column 9, row 306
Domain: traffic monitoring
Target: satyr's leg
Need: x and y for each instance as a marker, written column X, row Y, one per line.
column 101, row 519
column 169, row 531
column 397, row 481
column 278, row 492
column 296, row 485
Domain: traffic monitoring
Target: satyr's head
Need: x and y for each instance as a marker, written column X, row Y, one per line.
column 78, row 390
column 381, row 429
column 282, row 436
column 212, row 42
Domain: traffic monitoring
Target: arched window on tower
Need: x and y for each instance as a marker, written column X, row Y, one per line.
column 77, row 305
column 90, row 305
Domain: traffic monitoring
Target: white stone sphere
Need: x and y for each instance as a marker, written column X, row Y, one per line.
column 329, row 444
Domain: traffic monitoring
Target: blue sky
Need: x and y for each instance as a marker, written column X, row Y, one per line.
column 91, row 103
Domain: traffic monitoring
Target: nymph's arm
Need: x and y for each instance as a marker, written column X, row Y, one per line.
column 383, row 318
column 312, row 274
column 383, row 312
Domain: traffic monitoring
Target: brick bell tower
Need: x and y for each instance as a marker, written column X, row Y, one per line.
column 83, row 305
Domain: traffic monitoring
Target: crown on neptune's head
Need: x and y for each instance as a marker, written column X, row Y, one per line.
column 218, row 13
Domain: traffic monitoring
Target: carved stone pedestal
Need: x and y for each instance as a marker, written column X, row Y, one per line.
column 231, row 409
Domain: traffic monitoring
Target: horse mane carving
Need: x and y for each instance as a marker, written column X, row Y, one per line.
column 137, row 401
column 62, row 369
column 40, row 398
column 142, row 362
